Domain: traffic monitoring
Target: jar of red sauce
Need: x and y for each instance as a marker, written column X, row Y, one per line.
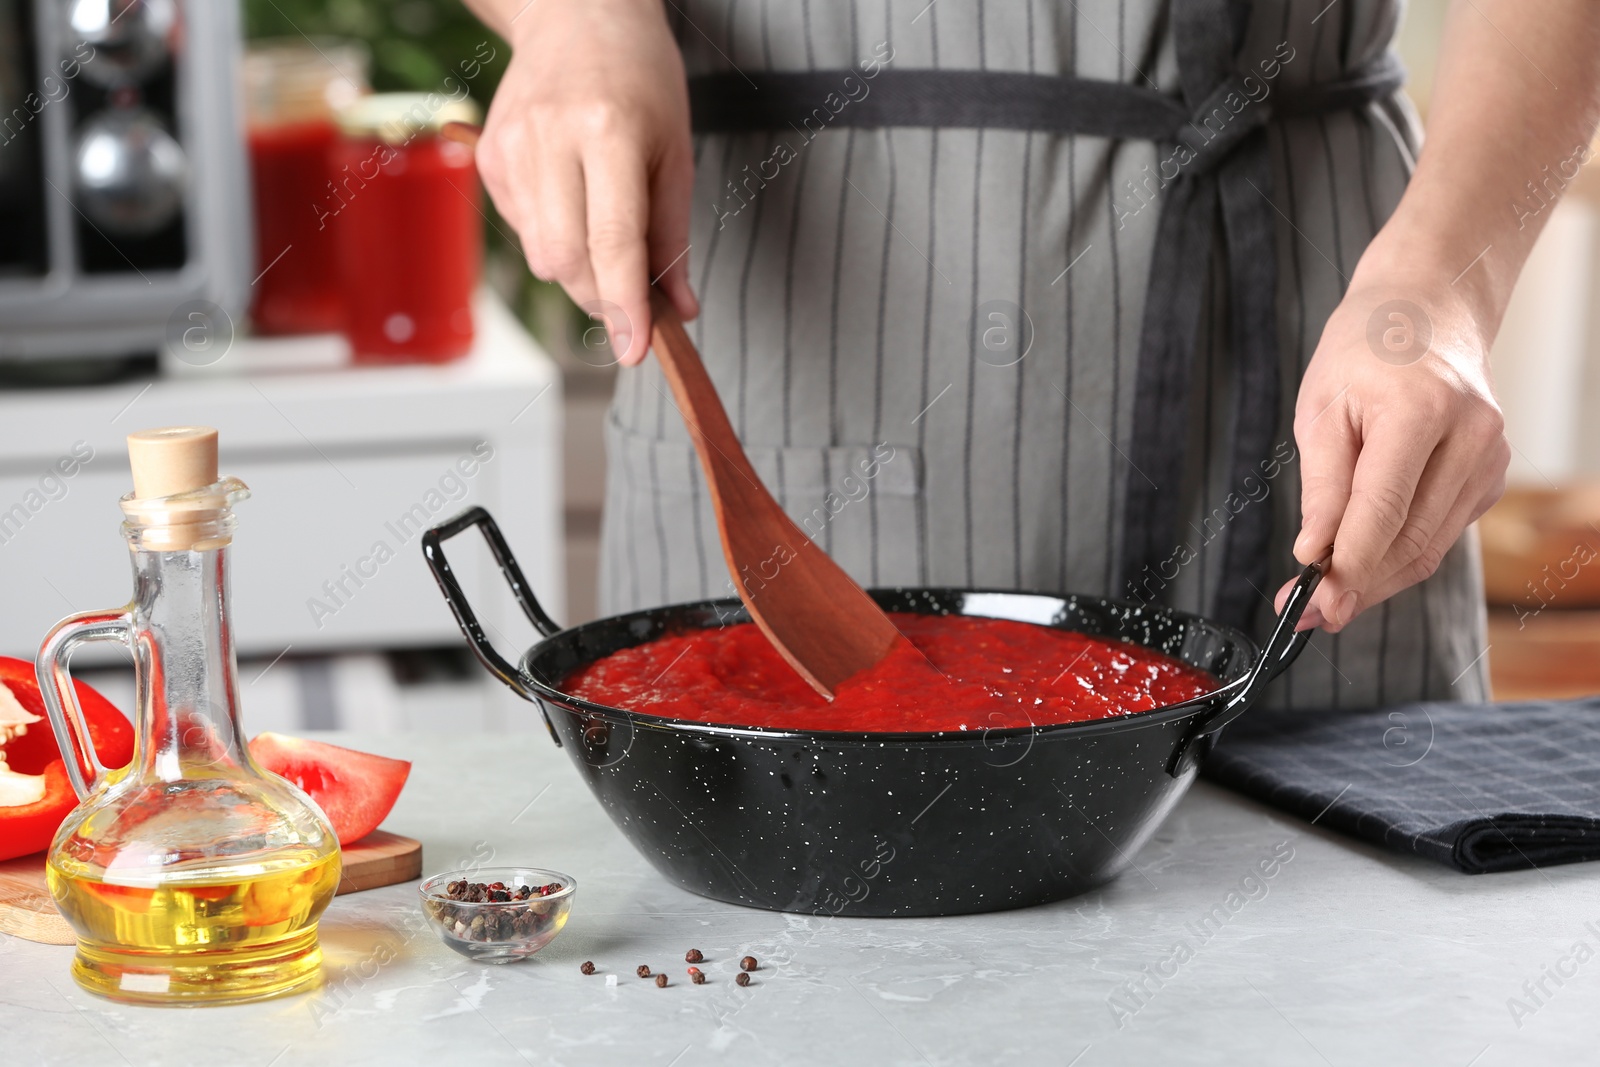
column 409, row 226
column 292, row 91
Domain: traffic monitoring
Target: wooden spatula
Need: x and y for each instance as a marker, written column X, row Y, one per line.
column 821, row 621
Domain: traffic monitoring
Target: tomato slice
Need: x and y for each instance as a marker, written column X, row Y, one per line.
column 354, row 789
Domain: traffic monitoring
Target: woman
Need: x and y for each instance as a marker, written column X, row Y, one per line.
column 1111, row 296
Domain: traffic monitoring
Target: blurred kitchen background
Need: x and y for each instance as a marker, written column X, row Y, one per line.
column 158, row 265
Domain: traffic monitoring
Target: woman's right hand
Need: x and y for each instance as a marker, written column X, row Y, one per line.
column 586, row 153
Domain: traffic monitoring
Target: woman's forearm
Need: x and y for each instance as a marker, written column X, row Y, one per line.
column 1515, row 104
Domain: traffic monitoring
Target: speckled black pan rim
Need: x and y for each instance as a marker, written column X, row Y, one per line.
column 731, row 611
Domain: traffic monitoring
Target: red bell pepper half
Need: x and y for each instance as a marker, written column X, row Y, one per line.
column 35, row 792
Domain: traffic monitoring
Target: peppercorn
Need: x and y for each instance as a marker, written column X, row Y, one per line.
column 661, row 981
column 748, row 963
column 696, row 977
column 694, row 955
column 496, row 892
column 742, row 978
column 643, row 970
column 587, row 968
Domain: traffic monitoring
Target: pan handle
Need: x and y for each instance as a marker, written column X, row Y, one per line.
column 456, row 597
column 1281, row 650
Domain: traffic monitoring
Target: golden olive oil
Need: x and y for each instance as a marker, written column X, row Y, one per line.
column 191, row 938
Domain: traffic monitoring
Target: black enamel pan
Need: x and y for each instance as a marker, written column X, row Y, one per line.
column 883, row 824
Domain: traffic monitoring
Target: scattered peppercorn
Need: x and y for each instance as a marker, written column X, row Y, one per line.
column 694, row 955
column 643, row 970
column 661, row 981
column 742, row 978
column 587, row 968
column 748, row 963
column 696, row 977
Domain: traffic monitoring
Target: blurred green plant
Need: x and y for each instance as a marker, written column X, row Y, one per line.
column 416, row 46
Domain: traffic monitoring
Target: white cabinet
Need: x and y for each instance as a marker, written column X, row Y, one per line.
column 346, row 467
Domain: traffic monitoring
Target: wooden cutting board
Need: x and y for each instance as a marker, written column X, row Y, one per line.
column 26, row 909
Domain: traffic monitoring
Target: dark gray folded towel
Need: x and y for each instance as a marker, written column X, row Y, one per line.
column 1482, row 787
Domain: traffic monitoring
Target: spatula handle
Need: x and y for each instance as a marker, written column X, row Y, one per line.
column 694, row 392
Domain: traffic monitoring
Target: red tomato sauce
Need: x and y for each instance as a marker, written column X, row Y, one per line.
column 297, row 284
column 986, row 674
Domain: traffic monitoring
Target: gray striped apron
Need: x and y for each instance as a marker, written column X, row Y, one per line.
column 1017, row 296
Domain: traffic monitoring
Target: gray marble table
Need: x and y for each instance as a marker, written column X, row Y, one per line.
column 1344, row 955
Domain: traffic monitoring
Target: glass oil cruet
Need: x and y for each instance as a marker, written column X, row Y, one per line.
column 191, row 875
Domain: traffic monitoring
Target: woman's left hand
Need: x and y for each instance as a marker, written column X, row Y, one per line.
column 1400, row 439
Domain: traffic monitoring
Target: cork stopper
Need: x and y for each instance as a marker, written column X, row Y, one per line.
column 178, row 502
column 172, row 460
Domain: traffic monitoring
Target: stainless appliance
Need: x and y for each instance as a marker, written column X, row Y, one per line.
column 124, row 190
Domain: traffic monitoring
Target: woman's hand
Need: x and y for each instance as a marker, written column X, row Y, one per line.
column 586, row 152
column 1400, row 439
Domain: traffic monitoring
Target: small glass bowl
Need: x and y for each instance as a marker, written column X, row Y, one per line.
column 503, row 931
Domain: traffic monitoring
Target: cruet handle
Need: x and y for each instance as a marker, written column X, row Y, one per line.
column 61, row 699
